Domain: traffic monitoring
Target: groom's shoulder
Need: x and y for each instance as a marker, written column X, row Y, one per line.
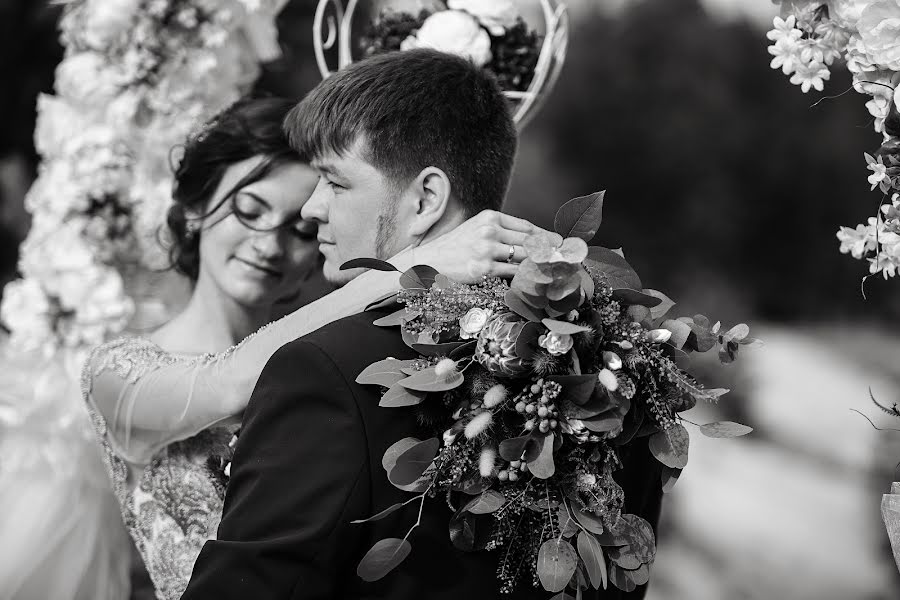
column 354, row 342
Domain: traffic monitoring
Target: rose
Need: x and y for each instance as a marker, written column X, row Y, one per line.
column 495, row 15
column 454, row 32
column 471, row 323
column 879, row 29
column 556, row 344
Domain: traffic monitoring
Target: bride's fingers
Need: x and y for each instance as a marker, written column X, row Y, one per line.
column 516, row 224
column 509, row 253
column 504, row 270
column 511, row 237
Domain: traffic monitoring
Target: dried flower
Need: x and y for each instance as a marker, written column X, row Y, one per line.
column 478, row 424
column 556, row 344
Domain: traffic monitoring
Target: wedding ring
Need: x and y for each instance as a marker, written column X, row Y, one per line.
column 512, row 253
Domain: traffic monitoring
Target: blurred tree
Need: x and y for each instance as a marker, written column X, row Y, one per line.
column 724, row 184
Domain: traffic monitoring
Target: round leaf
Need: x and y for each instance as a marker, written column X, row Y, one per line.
column 469, row 532
column 543, row 467
column 724, row 429
column 397, row 318
column 518, row 305
column 382, row 558
column 619, row 274
column 670, row 447
column 624, row 556
column 428, row 349
column 515, row 448
column 592, row 555
column 488, row 502
column 556, row 564
column 412, row 463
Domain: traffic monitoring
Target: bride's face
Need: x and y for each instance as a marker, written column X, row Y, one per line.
column 255, row 248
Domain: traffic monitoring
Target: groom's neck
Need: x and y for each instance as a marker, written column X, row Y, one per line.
column 453, row 218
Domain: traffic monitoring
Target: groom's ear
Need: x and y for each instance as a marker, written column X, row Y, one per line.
column 429, row 200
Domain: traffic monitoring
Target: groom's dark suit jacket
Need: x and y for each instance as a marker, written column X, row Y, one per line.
column 308, row 462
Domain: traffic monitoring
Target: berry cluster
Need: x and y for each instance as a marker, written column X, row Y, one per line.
column 537, row 403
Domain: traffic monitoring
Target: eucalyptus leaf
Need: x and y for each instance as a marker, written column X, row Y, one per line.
column 411, row 464
column 470, row 532
column 397, row 318
column 669, row 478
column 383, row 558
column 488, row 502
column 670, row 447
column 427, row 380
column 724, row 429
column 389, row 510
column 561, row 596
column 564, row 327
column 556, row 564
column 632, row 297
column 592, row 556
column 543, row 467
column 368, row 263
column 624, row 556
column 665, row 305
column 384, row 372
column 619, row 274
column 516, row 303
column 398, row 396
column 382, row 302
column 580, row 217
column 568, row 526
column 621, row 578
column 681, row 331
column 465, row 349
column 589, row 521
column 577, row 389
column 419, row 277
column 516, row 448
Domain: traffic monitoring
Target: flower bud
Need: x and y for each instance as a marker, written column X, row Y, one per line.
column 449, row 437
column 494, row 396
column 486, row 461
column 478, row 424
column 445, row 367
column 608, row 379
column 612, row 360
column 659, row 336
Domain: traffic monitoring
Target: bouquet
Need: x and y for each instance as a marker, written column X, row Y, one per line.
column 535, row 388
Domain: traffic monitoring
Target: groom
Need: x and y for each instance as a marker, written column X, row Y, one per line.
column 408, row 145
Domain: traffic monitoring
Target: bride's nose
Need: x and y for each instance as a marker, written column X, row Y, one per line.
column 268, row 245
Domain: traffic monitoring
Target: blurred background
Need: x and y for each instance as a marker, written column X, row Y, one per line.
column 725, row 186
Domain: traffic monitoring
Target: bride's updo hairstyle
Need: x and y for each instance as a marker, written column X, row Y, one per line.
column 248, row 128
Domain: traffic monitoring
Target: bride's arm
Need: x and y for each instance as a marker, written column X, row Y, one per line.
column 149, row 398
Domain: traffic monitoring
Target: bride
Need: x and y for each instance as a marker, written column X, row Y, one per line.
column 166, row 407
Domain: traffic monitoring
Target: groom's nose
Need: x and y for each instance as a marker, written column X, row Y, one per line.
column 316, row 208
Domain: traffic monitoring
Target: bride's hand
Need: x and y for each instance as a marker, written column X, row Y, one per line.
column 488, row 244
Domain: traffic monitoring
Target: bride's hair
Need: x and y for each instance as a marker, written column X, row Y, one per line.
column 250, row 127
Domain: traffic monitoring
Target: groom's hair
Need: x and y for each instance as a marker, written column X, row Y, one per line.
column 414, row 109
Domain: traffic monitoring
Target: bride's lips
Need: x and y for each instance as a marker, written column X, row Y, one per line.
column 269, row 271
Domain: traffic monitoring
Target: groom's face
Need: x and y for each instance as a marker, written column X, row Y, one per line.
column 356, row 208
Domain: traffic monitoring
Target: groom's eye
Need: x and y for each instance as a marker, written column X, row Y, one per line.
column 333, row 185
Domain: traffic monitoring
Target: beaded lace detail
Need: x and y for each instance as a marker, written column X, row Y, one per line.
column 177, row 504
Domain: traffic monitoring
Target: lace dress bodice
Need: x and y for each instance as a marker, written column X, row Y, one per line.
column 172, row 505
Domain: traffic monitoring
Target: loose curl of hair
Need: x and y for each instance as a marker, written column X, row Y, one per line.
column 250, row 127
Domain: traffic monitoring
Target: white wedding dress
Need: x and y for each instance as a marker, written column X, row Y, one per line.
column 165, row 422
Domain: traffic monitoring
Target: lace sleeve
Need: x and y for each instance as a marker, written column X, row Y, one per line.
column 148, row 398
